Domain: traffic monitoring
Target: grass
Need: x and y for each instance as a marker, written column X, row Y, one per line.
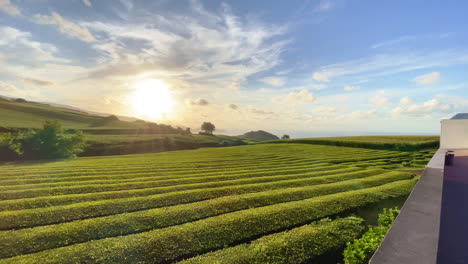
column 187, row 203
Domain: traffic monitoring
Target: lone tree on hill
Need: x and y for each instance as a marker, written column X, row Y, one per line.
column 208, row 127
column 285, row 137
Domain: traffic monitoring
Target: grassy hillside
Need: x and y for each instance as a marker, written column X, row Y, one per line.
column 107, row 136
column 30, row 115
column 404, row 143
column 166, row 207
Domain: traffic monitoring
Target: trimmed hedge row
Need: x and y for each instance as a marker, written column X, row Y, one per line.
column 168, row 244
column 170, row 180
column 125, row 173
column 57, row 214
column 295, row 246
column 47, row 201
column 31, row 240
column 18, row 194
column 368, row 145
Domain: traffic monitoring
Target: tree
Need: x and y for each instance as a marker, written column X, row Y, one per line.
column 208, row 127
column 51, row 142
column 285, row 137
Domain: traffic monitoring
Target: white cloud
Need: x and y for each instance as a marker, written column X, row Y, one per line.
column 66, row 27
column 203, row 51
column 421, row 110
column 430, row 78
column 87, row 3
column 274, row 81
column 406, row 100
column 380, row 100
column 350, row 88
column 9, row 8
column 320, row 76
column 18, row 48
column 301, row 97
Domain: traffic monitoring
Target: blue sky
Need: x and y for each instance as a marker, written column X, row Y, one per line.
column 307, row 68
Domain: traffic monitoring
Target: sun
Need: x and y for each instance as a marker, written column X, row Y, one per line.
column 152, row 99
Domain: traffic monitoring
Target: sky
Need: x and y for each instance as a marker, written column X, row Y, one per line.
column 299, row 67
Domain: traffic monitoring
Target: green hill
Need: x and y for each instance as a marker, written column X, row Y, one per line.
column 259, row 135
column 106, row 135
column 25, row 114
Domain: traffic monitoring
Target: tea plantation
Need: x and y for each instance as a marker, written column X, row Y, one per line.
column 247, row 204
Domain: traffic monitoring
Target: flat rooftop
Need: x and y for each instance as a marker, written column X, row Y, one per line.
column 453, row 233
column 460, row 116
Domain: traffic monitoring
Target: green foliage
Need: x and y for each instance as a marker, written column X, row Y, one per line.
column 208, row 127
column 295, row 246
column 401, row 143
column 361, row 250
column 285, row 137
column 163, row 207
column 164, row 245
column 51, row 142
column 159, row 218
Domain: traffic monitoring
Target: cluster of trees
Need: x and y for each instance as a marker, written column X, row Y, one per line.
column 208, row 128
column 49, row 142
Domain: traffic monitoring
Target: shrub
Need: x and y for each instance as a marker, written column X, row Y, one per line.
column 361, row 250
column 295, row 246
column 48, row 142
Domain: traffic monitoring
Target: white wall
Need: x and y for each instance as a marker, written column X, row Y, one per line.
column 454, row 133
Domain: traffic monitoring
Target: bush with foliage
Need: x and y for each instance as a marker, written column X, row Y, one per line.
column 47, row 143
column 361, row 250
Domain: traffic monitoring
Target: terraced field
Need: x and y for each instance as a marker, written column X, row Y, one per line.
column 247, row 204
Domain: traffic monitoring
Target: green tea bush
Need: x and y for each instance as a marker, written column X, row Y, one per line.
column 361, row 250
column 23, row 241
column 190, row 239
column 295, row 246
column 56, row 214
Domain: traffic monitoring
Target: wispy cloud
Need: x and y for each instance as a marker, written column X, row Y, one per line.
column 87, row 3
column 65, row 26
column 38, row 82
column 324, row 5
column 7, row 7
column 274, row 81
column 387, row 64
column 430, row 78
column 350, row 88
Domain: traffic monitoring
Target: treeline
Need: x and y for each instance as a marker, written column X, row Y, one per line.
column 369, row 145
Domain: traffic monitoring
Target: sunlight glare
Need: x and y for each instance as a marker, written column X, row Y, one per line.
column 152, row 99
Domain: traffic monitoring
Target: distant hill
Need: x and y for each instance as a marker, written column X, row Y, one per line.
column 259, row 135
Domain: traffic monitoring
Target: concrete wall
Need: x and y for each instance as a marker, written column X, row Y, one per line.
column 413, row 237
column 454, row 134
